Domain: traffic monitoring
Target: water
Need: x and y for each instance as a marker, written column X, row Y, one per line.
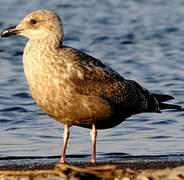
column 142, row 40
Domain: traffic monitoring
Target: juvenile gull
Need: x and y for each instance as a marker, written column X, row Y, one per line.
column 75, row 88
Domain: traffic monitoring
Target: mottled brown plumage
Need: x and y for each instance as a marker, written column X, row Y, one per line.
column 73, row 87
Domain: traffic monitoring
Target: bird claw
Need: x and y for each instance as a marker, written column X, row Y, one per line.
column 93, row 161
column 62, row 160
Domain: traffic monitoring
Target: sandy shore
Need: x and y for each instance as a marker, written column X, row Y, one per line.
column 135, row 165
column 138, row 170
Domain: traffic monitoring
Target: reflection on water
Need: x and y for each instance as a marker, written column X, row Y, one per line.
column 142, row 40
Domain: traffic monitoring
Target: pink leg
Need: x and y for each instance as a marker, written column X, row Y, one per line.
column 93, row 134
column 65, row 141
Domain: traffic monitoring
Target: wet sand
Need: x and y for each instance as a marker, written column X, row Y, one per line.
column 134, row 170
column 136, row 165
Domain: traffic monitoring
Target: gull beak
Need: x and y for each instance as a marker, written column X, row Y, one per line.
column 10, row 31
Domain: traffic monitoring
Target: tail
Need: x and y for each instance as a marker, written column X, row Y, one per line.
column 162, row 98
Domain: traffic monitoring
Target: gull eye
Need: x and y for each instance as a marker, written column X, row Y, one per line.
column 33, row 21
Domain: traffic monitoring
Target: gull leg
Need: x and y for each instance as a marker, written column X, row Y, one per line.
column 93, row 135
column 65, row 141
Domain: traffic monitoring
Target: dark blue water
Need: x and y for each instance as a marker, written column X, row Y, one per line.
column 142, row 40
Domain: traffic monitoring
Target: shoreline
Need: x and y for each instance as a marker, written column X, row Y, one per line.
column 135, row 170
column 131, row 164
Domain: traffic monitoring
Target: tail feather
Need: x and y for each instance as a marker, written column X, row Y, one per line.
column 169, row 106
column 162, row 97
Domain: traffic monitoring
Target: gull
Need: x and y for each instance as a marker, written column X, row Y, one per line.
column 75, row 88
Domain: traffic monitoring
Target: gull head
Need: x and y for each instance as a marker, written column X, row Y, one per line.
column 39, row 24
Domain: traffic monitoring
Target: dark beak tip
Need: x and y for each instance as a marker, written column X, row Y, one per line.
column 8, row 32
column 5, row 34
